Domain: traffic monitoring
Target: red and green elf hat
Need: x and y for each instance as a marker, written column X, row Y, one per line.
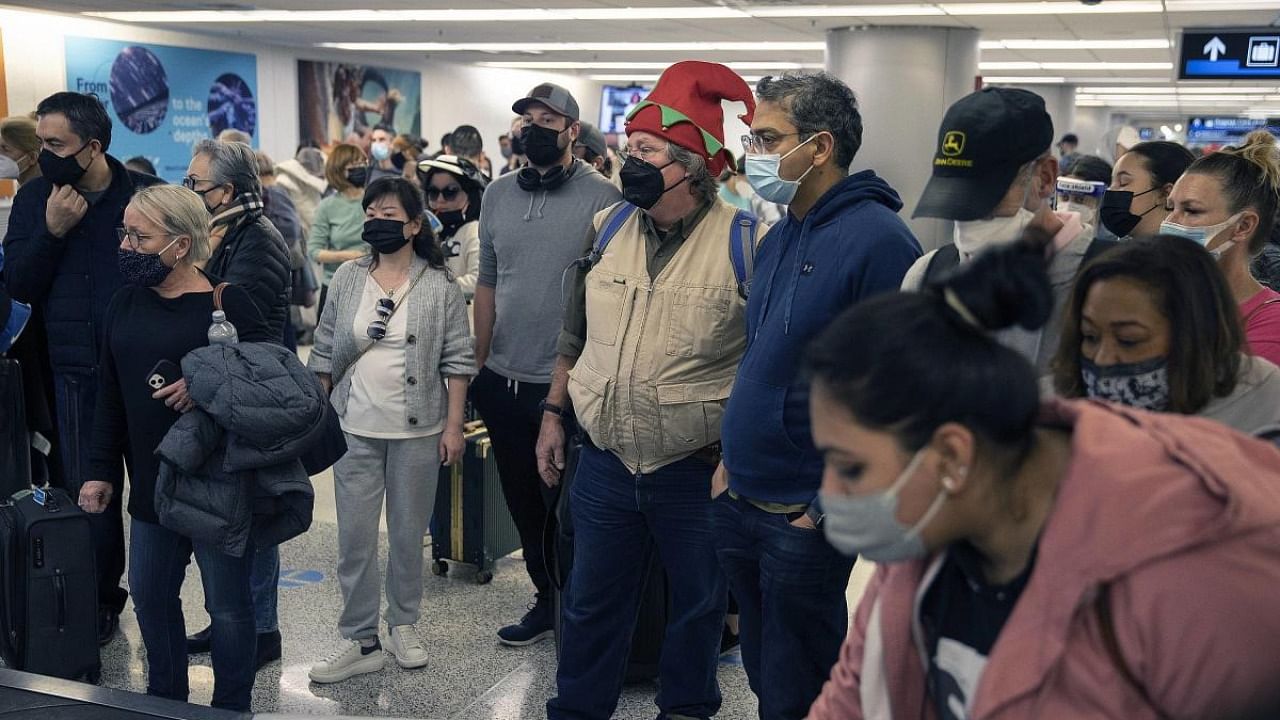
column 684, row 107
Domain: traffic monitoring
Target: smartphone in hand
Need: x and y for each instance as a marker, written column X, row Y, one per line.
column 164, row 373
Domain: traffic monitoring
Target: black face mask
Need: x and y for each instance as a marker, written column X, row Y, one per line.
column 542, row 145
column 397, row 161
column 358, row 176
column 1115, row 213
column 517, row 146
column 451, row 220
column 385, row 235
column 643, row 184
column 62, row 170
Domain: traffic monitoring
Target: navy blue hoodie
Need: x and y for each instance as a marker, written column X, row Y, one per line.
column 850, row 246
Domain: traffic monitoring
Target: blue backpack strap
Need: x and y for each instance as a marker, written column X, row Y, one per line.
column 618, row 215
column 742, row 249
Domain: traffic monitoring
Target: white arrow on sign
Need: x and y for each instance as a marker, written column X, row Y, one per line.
column 1214, row 48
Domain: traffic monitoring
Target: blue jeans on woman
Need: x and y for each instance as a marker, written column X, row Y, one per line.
column 158, row 559
column 618, row 517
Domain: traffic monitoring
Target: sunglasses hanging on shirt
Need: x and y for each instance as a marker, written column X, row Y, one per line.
column 378, row 328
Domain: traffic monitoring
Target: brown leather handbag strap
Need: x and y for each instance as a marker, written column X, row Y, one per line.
column 217, row 295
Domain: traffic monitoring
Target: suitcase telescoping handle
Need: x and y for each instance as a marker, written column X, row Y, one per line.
column 60, row 598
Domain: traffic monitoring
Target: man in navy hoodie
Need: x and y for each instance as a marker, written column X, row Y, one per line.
column 841, row 242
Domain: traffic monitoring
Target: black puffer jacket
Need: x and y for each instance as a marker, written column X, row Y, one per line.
column 229, row 469
column 253, row 255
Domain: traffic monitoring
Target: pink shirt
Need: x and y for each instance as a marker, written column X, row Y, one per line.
column 1261, row 315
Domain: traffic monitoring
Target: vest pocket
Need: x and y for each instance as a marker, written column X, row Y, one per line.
column 689, row 414
column 589, row 390
column 605, row 297
column 696, row 326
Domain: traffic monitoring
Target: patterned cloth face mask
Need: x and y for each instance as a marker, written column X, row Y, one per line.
column 1143, row 385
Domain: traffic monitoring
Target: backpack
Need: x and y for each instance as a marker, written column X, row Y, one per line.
column 947, row 258
column 742, row 242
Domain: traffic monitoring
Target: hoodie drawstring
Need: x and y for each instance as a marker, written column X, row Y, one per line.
column 529, row 215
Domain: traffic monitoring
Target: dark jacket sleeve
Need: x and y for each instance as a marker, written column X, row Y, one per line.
column 243, row 313
column 110, row 429
column 32, row 255
column 260, row 265
column 573, row 331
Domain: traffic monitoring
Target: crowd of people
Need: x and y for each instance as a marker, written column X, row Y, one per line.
column 743, row 366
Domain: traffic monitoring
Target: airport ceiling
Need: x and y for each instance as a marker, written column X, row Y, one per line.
column 1122, row 52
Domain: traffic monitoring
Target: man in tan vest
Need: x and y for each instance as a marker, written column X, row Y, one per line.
column 653, row 332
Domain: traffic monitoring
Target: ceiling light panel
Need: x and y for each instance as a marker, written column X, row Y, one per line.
column 573, row 65
column 1135, row 44
column 1026, row 65
column 582, row 46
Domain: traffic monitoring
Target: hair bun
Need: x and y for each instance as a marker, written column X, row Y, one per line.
column 1005, row 286
column 1260, row 149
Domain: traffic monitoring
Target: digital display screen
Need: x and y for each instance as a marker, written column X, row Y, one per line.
column 616, row 102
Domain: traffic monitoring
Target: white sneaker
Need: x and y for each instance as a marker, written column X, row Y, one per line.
column 403, row 642
column 347, row 660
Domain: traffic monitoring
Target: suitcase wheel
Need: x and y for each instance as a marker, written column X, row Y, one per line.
column 440, row 567
column 484, row 577
column 94, row 677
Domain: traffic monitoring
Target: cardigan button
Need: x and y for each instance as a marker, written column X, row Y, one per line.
column 411, row 339
column 413, row 421
column 412, row 380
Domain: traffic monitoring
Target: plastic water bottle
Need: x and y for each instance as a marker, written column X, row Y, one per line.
column 222, row 332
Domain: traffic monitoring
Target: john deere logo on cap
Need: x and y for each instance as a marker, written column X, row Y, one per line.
column 953, row 143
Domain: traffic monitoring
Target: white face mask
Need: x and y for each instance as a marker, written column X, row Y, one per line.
column 1088, row 213
column 9, row 168
column 974, row 236
column 869, row 526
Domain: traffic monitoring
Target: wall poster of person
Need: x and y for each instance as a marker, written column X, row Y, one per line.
column 340, row 102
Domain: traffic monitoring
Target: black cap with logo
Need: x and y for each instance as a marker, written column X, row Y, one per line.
column 985, row 138
column 551, row 95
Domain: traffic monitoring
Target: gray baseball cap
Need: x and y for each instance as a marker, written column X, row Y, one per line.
column 551, row 95
column 592, row 139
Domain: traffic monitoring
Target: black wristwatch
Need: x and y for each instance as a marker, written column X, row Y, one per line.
column 814, row 513
column 556, row 410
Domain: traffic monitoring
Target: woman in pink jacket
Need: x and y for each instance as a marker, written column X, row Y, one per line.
column 1068, row 560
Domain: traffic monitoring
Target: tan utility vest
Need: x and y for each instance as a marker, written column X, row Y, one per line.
column 660, row 355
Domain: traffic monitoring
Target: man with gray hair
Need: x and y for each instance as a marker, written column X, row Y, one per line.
column 248, row 252
column 840, row 242
column 651, row 339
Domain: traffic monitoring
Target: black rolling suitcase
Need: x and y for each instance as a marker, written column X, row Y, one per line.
column 15, row 441
column 471, row 523
column 655, row 595
column 49, row 600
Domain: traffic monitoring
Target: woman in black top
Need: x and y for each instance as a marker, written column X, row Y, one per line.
column 162, row 313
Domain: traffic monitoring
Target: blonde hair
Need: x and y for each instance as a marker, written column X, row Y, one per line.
column 20, row 132
column 234, row 135
column 180, row 212
column 1250, row 179
column 335, row 167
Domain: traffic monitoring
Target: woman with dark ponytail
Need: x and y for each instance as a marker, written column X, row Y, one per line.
column 1035, row 560
column 395, row 349
column 1227, row 203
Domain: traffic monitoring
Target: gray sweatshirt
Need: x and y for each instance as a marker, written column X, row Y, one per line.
column 527, row 240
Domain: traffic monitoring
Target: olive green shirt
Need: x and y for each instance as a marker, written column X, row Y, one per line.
column 659, row 247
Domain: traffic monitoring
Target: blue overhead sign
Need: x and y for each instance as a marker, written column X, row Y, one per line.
column 1230, row 54
column 1226, row 130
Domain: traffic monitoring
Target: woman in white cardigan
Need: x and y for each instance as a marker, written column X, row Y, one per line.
column 395, row 349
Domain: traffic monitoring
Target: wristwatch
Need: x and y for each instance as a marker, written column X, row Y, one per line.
column 556, row 410
column 814, row 513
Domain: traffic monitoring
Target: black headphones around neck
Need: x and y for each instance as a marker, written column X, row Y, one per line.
column 530, row 180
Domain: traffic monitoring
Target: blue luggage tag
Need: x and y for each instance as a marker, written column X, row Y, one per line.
column 40, row 496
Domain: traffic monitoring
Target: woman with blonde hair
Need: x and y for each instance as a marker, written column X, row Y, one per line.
column 19, row 148
column 1227, row 202
column 161, row 314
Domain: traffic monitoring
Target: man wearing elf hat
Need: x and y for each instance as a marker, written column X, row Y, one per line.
column 652, row 336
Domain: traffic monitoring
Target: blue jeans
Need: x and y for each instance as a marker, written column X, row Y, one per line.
column 618, row 517
column 158, row 558
column 790, row 587
column 264, row 580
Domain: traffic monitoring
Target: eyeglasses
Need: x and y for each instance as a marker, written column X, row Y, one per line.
column 189, row 182
column 757, row 144
column 378, row 328
column 134, row 238
column 645, row 152
column 449, row 193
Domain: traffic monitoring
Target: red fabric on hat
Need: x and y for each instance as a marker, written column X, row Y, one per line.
column 694, row 88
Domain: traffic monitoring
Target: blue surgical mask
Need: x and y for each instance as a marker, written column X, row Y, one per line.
column 868, row 525
column 762, row 173
column 380, row 151
column 1202, row 236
